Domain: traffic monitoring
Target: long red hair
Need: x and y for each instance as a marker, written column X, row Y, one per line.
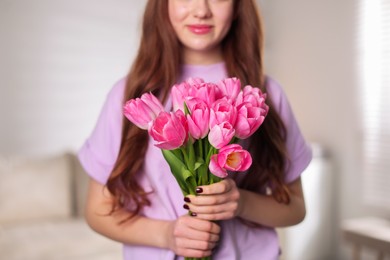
column 157, row 67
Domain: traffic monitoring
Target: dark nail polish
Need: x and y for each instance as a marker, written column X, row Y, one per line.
column 193, row 214
column 187, row 199
column 186, row 206
column 199, row 190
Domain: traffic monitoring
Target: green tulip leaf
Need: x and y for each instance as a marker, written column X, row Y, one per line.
column 177, row 168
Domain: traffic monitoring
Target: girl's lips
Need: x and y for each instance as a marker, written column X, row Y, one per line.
column 199, row 29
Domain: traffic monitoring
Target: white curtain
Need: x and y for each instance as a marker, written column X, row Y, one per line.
column 374, row 53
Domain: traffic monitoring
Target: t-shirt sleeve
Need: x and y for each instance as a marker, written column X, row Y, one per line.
column 299, row 150
column 100, row 150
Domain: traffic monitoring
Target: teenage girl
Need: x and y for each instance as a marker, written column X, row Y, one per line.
column 133, row 197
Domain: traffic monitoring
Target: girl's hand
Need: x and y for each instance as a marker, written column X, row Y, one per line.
column 218, row 201
column 192, row 237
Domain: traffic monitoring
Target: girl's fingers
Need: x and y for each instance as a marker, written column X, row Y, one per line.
column 233, row 195
column 208, row 200
column 219, row 216
column 194, row 237
column 216, row 201
column 193, row 252
column 193, row 234
column 213, row 209
column 199, row 225
column 196, row 244
column 217, row 188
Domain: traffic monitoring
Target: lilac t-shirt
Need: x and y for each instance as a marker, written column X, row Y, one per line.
column 237, row 241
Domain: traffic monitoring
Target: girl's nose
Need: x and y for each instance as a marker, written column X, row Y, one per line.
column 201, row 9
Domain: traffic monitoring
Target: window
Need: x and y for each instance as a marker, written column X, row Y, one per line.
column 374, row 51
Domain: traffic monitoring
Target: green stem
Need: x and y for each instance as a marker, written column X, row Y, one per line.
column 185, row 155
column 200, row 147
column 191, row 157
column 206, row 146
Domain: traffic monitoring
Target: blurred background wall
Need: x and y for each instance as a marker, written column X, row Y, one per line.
column 313, row 50
column 59, row 58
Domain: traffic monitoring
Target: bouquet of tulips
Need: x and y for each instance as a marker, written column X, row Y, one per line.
column 199, row 138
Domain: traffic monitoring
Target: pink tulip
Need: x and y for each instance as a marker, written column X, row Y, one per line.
column 142, row 111
column 178, row 94
column 253, row 96
column 251, row 111
column 249, row 119
column 204, row 91
column 230, row 158
column 198, row 120
column 229, row 88
column 222, row 111
column 169, row 130
column 220, row 135
column 194, row 81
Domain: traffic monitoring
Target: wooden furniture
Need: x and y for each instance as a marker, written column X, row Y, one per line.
column 370, row 233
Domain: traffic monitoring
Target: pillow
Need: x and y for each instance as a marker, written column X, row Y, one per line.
column 32, row 189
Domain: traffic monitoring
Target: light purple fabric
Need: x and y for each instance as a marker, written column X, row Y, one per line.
column 238, row 241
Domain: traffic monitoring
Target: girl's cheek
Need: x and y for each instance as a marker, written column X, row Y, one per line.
column 182, row 12
column 178, row 10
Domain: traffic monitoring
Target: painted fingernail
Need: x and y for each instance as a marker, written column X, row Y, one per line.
column 193, row 214
column 199, row 190
column 187, row 199
column 186, row 206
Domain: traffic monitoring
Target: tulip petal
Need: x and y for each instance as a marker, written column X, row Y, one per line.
column 169, row 130
column 220, row 135
column 215, row 168
column 233, row 157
